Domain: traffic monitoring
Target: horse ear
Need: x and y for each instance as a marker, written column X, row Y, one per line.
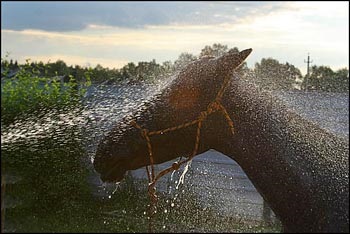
column 244, row 54
column 232, row 59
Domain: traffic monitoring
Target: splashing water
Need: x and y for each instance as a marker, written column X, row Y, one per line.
column 106, row 105
column 85, row 124
column 31, row 130
column 182, row 177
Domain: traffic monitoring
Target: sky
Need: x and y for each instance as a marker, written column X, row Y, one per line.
column 114, row 33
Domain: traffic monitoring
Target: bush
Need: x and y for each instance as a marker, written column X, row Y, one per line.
column 27, row 92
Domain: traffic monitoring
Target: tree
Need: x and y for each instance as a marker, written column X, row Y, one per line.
column 78, row 73
column 341, row 80
column 320, row 78
column 184, row 59
column 59, row 67
column 323, row 78
column 100, row 74
column 215, row 50
column 167, row 67
column 272, row 75
column 129, row 71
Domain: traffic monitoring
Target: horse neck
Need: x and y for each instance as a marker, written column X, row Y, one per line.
column 284, row 157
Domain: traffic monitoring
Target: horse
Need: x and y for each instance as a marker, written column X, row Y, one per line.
column 299, row 168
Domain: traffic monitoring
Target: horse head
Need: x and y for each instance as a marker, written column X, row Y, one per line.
column 194, row 88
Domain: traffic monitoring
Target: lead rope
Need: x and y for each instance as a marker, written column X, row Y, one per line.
column 146, row 134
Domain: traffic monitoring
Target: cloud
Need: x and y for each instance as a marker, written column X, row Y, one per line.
column 75, row 16
column 138, row 39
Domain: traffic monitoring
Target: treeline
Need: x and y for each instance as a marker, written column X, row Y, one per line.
column 130, row 73
column 323, row 78
column 269, row 73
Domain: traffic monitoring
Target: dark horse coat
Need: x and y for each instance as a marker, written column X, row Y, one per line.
column 300, row 169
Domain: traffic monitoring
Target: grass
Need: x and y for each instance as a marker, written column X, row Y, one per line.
column 126, row 211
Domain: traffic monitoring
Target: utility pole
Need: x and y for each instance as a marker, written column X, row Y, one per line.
column 308, row 68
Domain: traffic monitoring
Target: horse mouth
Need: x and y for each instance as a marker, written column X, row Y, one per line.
column 114, row 172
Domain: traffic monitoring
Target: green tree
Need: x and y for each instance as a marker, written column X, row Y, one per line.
column 78, row 73
column 13, row 65
column 341, row 80
column 215, row 50
column 167, row 69
column 99, row 74
column 115, row 75
column 184, row 59
column 272, row 75
column 323, row 78
column 318, row 78
column 57, row 68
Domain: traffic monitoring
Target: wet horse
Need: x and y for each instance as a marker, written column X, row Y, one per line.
column 300, row 169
